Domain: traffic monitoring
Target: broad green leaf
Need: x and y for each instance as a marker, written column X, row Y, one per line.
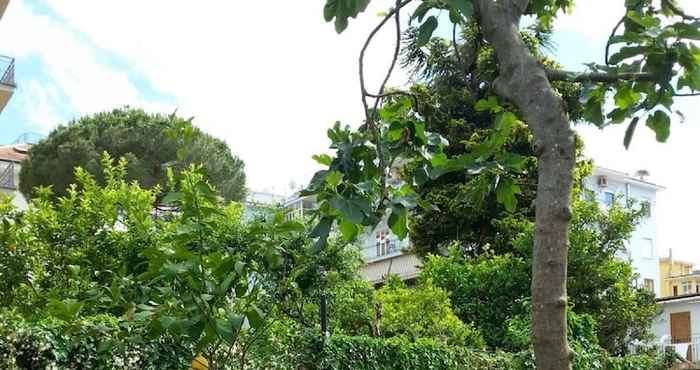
column 464, row 6
column 626, row 97
column 348, row 209
column 341, row 10
column 348, row 229
column 627, row 52
column 643, row 20
column 660, row 122
column 629, row 133
column 593, row 111
column 398, row 222
column 173, row 197
column 324, row 159
column 506, row 192
column 321, row 231
column 490, row 104
column 290, row 226
column 687, row 31
column 255, row 317
column 334, row 178
column 425, row 31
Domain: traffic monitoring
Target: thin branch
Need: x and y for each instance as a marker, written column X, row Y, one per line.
column 454, row 45
column 677, row 11
column 688, row 94
column 612, row 34
column 604, row 77
column 370, row 115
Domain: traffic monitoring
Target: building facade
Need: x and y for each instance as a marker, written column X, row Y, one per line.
column 11, row 157
column 608, row 186
column 678, row 278
column 7, row 69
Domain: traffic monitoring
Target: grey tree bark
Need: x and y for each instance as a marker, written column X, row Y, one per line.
column 523, row 81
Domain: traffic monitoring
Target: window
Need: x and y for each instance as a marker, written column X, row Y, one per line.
column 675, row 290
column 647, row 248
column 608, row 198
column 384, row 243
column 687, row 287
column 649, row 285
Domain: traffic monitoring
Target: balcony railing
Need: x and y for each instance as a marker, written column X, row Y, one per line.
column 7, row 175
column 7, row 68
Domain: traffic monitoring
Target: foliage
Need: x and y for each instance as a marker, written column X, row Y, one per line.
column 453, row 99
column 149, row 142
column 423, row 312
column 93, row 342
column 342, row 352
column 486, row 289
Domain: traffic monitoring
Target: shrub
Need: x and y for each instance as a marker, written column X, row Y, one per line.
column 96, row 342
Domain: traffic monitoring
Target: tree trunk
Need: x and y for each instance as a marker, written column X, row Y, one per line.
column 523, row 81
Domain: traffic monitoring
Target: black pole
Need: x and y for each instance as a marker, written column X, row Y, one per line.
column 324, row 315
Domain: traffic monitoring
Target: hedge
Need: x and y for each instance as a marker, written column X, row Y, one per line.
column 97, row 342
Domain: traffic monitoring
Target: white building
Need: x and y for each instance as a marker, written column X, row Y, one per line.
column 642, row 249
column 11, row 157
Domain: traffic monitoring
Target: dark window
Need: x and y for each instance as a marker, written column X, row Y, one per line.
column 675, row 290
column 608, row 198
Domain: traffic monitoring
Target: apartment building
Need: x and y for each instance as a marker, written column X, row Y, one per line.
column 608, row 186
column 7, row 70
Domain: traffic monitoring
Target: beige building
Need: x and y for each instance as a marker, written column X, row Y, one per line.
column 678, row 277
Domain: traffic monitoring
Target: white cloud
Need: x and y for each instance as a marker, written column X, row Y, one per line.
column 71, row 79
column 268, row 77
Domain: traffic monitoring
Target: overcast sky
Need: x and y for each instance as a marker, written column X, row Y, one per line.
column 270, row 78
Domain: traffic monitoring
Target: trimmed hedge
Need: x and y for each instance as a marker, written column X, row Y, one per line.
column 359, row 353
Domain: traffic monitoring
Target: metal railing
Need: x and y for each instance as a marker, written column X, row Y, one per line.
column 7, row 175
column 7, row 66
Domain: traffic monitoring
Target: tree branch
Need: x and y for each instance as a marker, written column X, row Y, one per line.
column 677, row 11
column 603, row 77
column 370, row 115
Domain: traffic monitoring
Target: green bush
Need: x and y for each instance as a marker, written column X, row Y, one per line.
column 96, row 342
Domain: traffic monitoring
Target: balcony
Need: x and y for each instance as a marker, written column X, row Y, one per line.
column 7, row 81
column 8, row 176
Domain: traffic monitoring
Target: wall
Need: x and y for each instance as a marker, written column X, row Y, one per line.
column 644, row 257
column 17, row 198
column 662, row 324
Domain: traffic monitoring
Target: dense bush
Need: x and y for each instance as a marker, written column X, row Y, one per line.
column 96, row 342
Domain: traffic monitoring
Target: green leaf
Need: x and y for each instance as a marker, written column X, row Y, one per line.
column 173, row 197
column 321, row 231
column 398, row 222
column 505, row 193
column 425, row 31
column 593, row 111
column 660, row 122
column 464, row 6
column 348, row 209
column 626, row 97
column 334, row 178
column 490, row 104
column 290, row 226
column 341, row 10
column 255, row 317
column 324, row 159
column 348, row 229
column 687, row 31
column 643, row 20
column 627, row 52
column 630, row 132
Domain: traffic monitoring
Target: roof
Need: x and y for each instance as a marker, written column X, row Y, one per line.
column 626, row 177
column 679, row 298
column 14, row 153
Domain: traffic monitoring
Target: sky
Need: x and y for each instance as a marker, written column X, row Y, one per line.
column 270, row 77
